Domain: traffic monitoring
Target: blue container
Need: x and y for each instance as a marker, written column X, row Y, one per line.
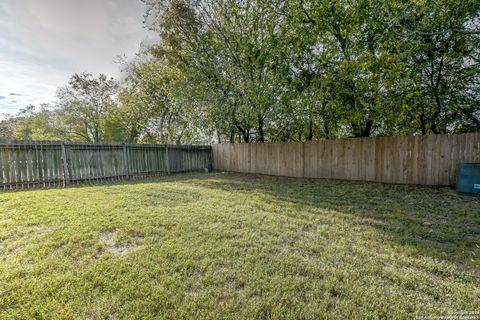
column 468, row 179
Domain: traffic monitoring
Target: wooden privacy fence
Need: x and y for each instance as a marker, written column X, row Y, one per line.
column 30, row 164
column 426, row 160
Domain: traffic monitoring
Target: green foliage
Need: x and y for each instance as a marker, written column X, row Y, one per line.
column 31, row 124
column 295, row 70
column 155, row 106
column 85, row 111
column 85, row 106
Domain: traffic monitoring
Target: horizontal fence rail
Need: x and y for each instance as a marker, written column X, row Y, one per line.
column 28, row 164
column 424, row 160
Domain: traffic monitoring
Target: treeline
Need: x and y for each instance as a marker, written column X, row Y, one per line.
column 259, row 70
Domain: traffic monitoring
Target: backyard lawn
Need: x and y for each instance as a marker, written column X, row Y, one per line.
column 232, row 246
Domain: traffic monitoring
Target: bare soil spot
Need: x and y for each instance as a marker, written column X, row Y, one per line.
column 38, row 230
column 117, row 249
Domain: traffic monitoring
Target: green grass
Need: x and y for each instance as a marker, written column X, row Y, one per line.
column 208, row 246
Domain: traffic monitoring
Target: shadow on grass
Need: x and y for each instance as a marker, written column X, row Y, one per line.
column 434, row 220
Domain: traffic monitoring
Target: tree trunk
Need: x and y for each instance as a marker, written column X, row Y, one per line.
column 310, row 130
column 261, row 133
column 363, row 131
column 244, row 133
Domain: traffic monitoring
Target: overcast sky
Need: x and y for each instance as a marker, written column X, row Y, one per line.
column 43, row 42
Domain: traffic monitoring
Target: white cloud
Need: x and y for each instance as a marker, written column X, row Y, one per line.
column 43, row 42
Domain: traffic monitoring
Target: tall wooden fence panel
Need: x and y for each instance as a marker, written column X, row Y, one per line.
column 44, row 164
column 425, row 160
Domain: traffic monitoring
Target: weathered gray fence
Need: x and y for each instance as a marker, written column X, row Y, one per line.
column 427, row 160
column 44, row 164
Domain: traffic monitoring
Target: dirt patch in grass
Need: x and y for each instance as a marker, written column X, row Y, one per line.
column 38, row 230
column 109, row 239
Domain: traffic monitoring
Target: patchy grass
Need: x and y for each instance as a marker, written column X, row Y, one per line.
column 238, row 247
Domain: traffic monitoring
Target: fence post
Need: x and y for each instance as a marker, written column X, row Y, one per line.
column 125, row 160
column 66, row 175
column 167, row 160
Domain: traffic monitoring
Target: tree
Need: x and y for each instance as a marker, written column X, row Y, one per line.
column 441, row 59
column 35, row 124
column 230, row 48
column 86, row 105
column 7, row 126
column 155, row 106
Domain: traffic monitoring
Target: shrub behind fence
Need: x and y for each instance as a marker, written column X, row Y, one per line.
column 43, row 164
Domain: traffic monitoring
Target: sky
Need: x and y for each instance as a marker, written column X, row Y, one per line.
column 44, row 42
